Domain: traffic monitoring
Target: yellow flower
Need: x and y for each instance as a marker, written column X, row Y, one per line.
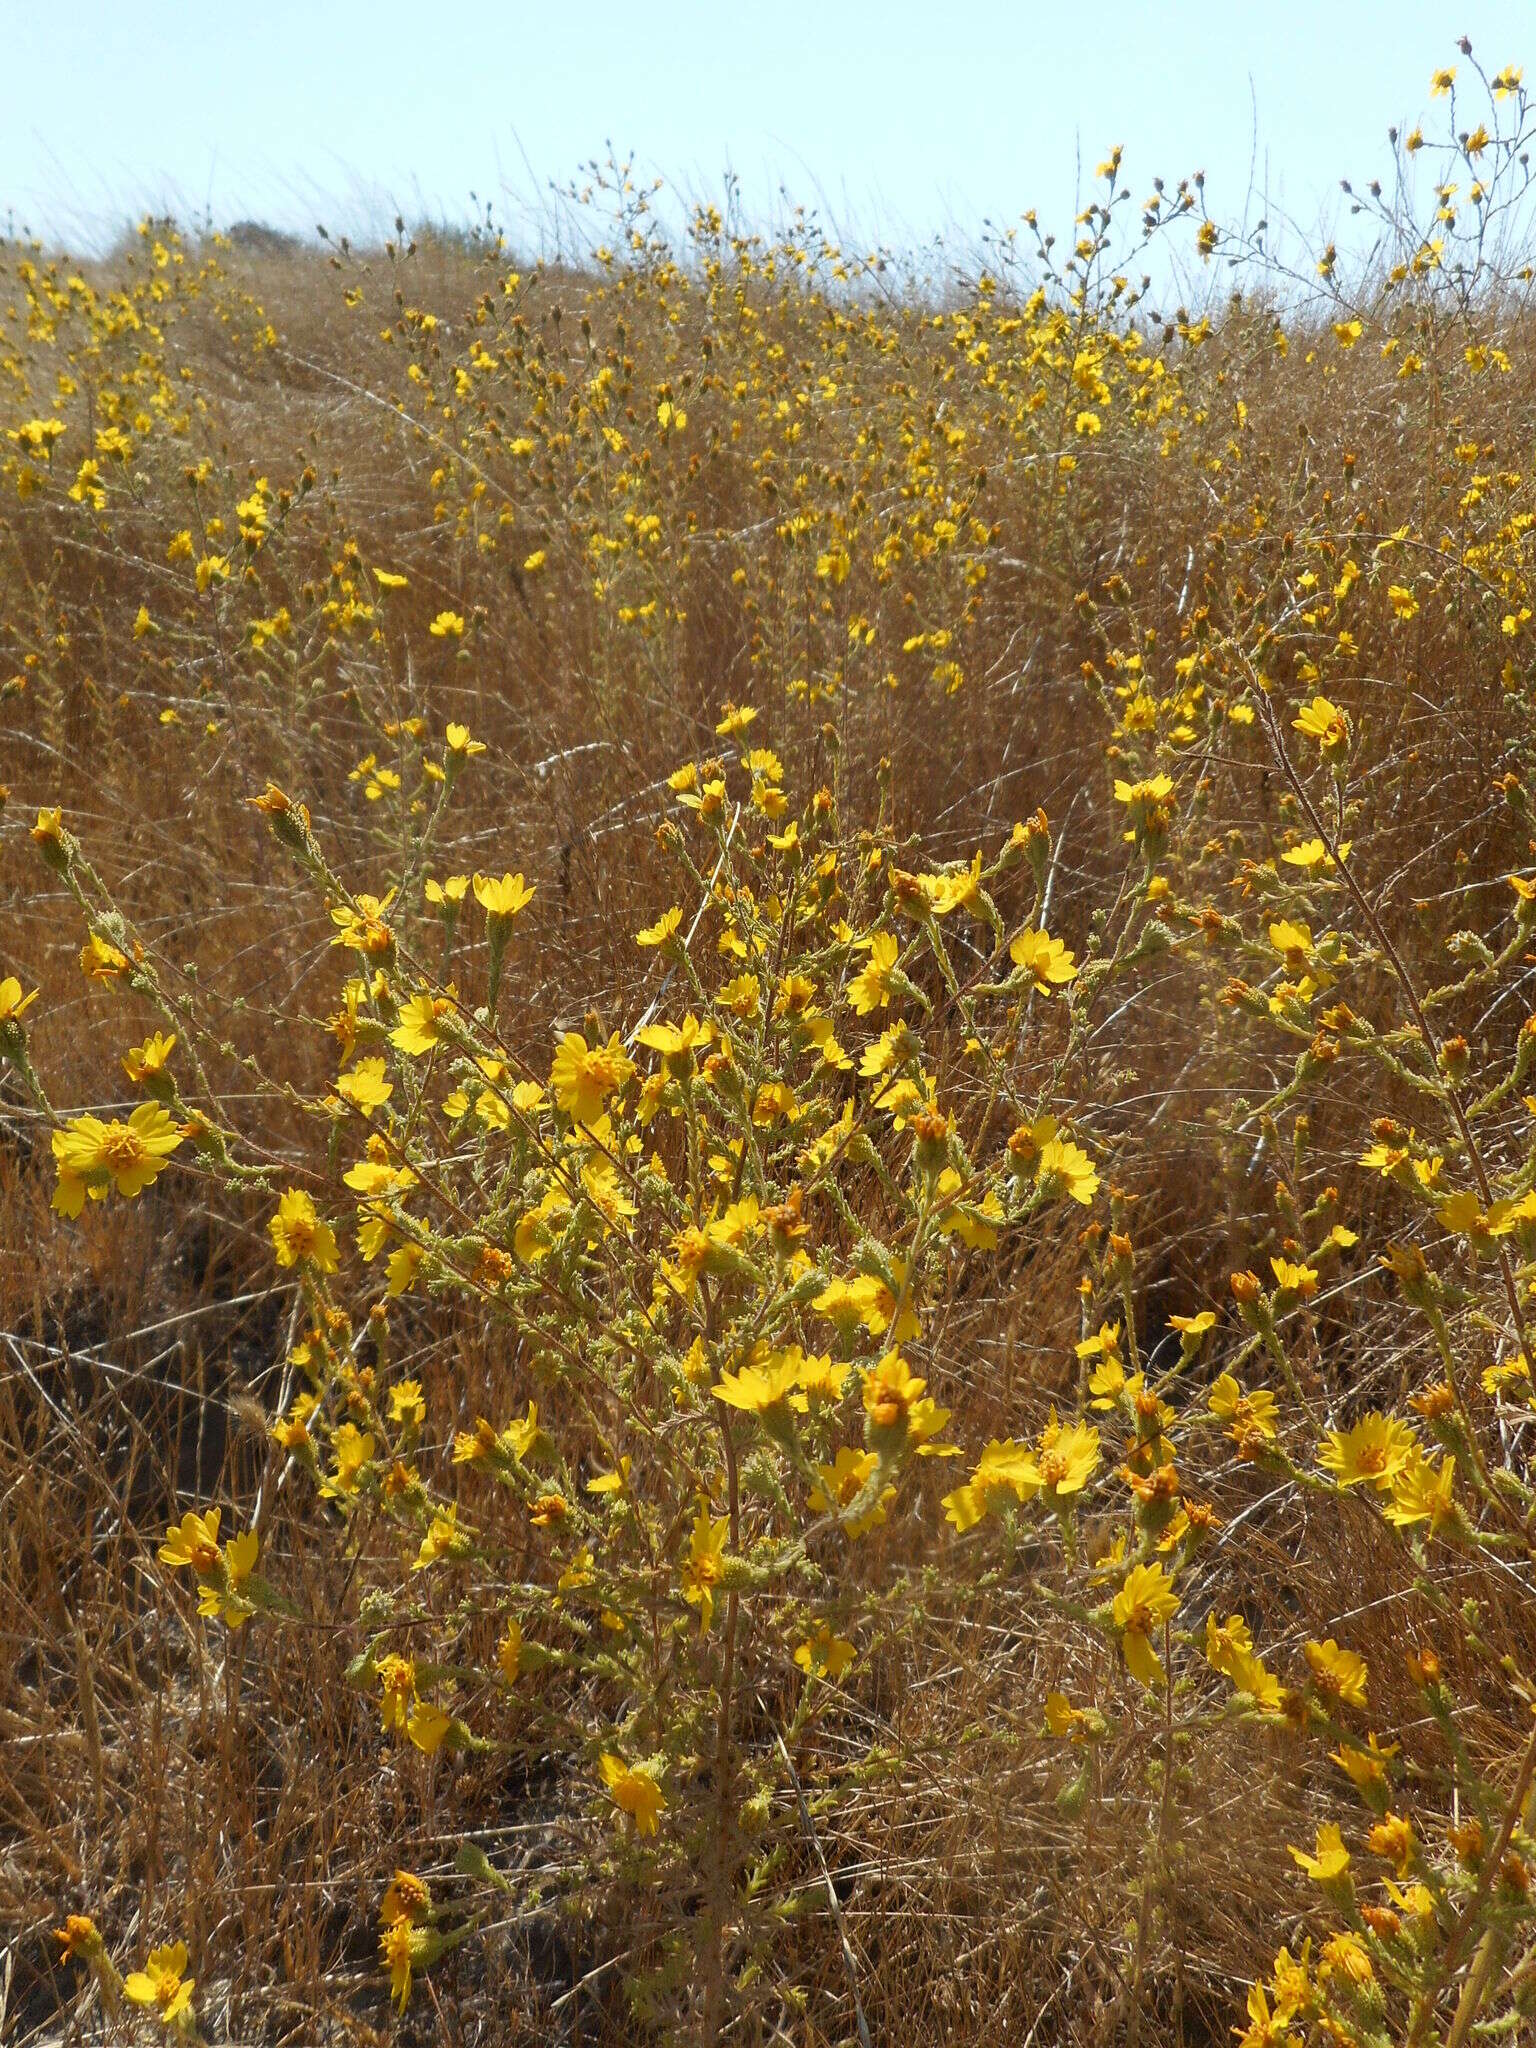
column 1366, row 1768
column 79, row 1936
column 870, row 987
column 219, row 1592
column 141, row 1062
column 298, row 1234
column 1290, row 1278
column 1145, row 1602
column 1229, row 1650
column 365, row 1087
column 1312, row 853
column 100, row 960
column 509, row 1651
column 13, row 1004
column 1339, row 1673
column 37, row 436
column 1144, row 798
column 825, row 1655
column 447, row 894
column 841, row 1484
column 91, row 1155
column 397, row 1947
column 417, row 1031
column 1044, row 959
column 352, row 1449
column 1393, row 1838
column 705, row 1564
column 632, row 1791
column 607, row 1484
column 407, row 1405
column 504, row 898
column 361, row 925
column 1322, row 721
column 890, row 1391
column 1004, row 1468
column 676, row 1041
column 1421, row 1492
column 760, row 1389
column 1293, row 942
column 193, row 1541
column 1251, row 1416
column 583, row 1077
column 447, row 626
column 1370, row 1454
column 397, row 1690
column 162, row 1983
column 427, row 1727
column 1064, row 1168
column 444, row 1538
column 1332, row 1858
column 657, row 934
column 1065, row 1459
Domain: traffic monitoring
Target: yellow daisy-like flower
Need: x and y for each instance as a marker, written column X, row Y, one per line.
column 760, row 1389
column 841, row 1484
column 417, row 1031
column 1339, row 1673
column 705, row 1563
column 1145, row 1601
column 633, row 1792
column 1045, row 960
column 1005, row 1468
column 100, row 960
column 13, row 1004
column 352, row 1449
column 162, row 1983
column 92, row 1155
column 1323, row 721
column 219, row 1591
column 824, row 1654
column 657, row 934
column 504, row 898
column 361, row 925
column 870, row 988
column 1331, row 1859
column 583, row 1077
column 1063, row 1168
column 194, row 1541
column 447, row 626
column 1065, row 1458
column 365, row 1086
column 397, row 1948
column 1373, row 1453
column 142, row 1062
column 299, row 1235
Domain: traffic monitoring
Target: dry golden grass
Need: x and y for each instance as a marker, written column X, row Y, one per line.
column 417, row 411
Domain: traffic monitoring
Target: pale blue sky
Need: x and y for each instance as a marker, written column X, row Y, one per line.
column 901, row 117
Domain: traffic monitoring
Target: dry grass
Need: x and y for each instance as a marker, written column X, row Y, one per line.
column 232, row 1788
